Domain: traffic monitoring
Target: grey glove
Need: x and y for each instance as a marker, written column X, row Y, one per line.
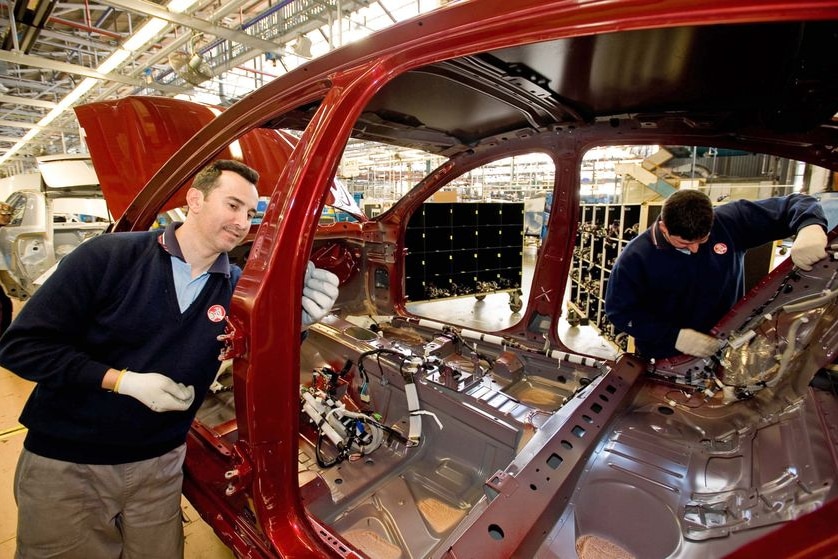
column 809, row 246
column 696, row 344
column 158, row 392
column 319, row 294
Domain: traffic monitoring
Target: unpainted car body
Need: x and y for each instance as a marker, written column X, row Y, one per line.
column 60, row 209
column 406, row 437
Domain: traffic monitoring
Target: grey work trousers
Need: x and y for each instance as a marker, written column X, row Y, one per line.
column 86, row 511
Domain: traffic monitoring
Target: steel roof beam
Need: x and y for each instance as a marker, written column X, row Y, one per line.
column 26, row 101
column 46, row 63
column 30, row 125
column 148, row 8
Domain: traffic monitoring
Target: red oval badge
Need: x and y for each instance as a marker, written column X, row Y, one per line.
column 216, row 313
column 720, row 248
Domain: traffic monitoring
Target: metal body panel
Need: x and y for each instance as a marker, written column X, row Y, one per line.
column 473, row 81
column 130, row 139
column 45, row 226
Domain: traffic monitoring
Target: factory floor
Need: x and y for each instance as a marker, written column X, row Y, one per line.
column 491, row 313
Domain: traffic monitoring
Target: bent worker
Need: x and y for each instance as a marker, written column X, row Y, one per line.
column 677, row 279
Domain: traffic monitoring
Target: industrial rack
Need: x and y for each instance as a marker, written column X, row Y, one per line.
column 470, row 248
column 603, row 232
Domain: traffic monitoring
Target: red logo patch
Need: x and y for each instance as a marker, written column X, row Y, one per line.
column 216, row 313
column 720, row 248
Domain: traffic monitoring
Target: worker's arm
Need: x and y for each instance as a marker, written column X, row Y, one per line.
column 756, row 222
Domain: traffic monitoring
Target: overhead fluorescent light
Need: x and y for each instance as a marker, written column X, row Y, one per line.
column 179, row 6
column 113, row 61
column 154, row 26
column 145, row 34
column 85, row 86
column 28, row 136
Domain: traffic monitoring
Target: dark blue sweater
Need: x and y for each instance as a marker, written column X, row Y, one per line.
column 654, row 290
column 111, row 303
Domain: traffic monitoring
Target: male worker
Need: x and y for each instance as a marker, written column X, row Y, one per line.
column 122, row 342
column 677, row 279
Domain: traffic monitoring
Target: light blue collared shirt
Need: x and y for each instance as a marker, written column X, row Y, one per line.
column 186, row 288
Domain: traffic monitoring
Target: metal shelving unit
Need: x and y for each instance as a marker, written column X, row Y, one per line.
column 603, row 232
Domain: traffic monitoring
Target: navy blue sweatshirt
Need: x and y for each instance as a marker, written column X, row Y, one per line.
column 111, row 303
column 654, row 290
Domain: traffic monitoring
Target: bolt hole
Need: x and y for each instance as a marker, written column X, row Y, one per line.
column 496, row 532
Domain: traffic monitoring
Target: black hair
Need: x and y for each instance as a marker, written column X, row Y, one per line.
column 207, row 178
column 688, row 214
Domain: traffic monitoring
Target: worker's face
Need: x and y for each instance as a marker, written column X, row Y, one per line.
column 225, row 213
column 681, row 243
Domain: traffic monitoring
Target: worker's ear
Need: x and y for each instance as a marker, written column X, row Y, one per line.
column 194, row 199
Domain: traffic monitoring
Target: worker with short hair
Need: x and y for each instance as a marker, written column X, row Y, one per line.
column 676, row 280
column 122, row 342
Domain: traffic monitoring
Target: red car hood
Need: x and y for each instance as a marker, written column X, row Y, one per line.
column 130, row 139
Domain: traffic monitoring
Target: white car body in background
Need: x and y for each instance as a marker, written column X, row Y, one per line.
column 52, row 212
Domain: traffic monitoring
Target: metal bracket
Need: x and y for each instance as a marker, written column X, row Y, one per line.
column 241, row 475
column 234, row 341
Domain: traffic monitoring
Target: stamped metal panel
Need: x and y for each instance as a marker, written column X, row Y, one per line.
column 524, row 500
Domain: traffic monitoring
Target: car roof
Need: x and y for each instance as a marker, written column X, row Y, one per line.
column 779, row 78
column 475, row 75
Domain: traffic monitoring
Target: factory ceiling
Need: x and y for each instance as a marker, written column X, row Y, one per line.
column 54, row 55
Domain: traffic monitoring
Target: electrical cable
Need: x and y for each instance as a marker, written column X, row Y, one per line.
column 377, row 352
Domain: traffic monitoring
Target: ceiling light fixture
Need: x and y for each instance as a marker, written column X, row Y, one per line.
column 113, row 61
column 146, row 33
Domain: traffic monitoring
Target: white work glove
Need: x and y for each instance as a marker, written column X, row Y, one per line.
column 158, row 392
column 319, row 294
column 696, row 344
column 808, row 247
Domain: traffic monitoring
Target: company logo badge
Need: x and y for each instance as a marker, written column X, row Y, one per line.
column 720, row 248
column 216, row 313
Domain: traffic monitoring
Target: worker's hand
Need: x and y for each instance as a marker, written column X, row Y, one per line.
column 158, row 392
column 319, row 294
column 808, row 247
column 696, row 344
